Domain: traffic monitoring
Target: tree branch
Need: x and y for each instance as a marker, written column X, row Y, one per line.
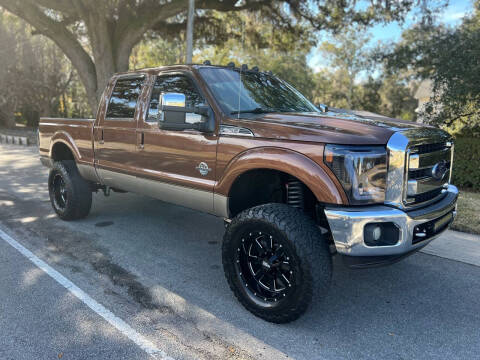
column 63, row 6
column 452, row 120
column 148, row 15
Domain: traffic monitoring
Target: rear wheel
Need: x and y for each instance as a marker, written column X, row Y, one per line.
column 275, row 259
column 70, row 194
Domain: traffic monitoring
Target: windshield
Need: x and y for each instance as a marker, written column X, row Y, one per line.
column 256, row 92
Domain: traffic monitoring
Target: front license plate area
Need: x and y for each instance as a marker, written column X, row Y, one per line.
column 431, row 228
column 442, row 222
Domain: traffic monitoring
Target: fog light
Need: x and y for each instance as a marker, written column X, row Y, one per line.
column 380, row 234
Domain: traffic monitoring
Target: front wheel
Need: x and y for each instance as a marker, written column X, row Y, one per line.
column 70, row 194
column 275, row 260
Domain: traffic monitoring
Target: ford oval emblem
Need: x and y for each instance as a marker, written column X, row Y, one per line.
column 439, row 170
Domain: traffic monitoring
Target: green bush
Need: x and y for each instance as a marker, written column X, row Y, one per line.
column 466, row 163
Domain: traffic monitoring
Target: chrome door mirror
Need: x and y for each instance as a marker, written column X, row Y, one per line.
column 172, row 100
column 171, row 109
column 323, row 108
column 173, row 113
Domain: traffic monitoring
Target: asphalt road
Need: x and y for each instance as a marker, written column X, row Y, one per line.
column 158, row 267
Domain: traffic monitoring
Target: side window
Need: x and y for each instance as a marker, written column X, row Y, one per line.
column 175, row 84
column 124, row 98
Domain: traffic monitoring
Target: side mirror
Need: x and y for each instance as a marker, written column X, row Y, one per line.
column 208, row 118
column 323, row 108
column 172, row 114
column 172, row 108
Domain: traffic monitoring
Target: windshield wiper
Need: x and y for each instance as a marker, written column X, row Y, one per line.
column 257, row 110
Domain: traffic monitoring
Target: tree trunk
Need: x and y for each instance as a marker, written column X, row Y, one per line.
column 7, row 119
column 350, row 94
column 110, row 55
column 113, row 28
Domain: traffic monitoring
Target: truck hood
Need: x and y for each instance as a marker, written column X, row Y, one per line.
column 333, row 127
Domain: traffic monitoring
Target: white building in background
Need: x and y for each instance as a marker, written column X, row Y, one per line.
column 423, row 95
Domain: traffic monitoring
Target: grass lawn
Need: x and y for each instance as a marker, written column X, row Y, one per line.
column 468, row 213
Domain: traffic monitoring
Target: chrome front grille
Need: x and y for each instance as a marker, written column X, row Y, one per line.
column 412, row 156
column 428, row 172
column 429, row 148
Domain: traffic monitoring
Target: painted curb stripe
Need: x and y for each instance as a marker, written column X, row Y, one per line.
column 115, row 321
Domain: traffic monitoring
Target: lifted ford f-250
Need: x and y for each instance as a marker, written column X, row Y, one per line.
column 295, row 184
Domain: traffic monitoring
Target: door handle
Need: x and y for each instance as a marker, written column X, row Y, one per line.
column 141, row 146
column 102, row 140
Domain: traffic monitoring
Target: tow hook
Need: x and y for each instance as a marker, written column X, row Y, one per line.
column 106, row 191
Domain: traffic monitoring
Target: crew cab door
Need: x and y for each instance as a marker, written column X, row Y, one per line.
column 115, row 132
column 182, row 163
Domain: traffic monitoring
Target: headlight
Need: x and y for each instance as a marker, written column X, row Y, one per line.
column 361, row 170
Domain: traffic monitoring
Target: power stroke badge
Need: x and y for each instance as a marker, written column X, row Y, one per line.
column 203, row 168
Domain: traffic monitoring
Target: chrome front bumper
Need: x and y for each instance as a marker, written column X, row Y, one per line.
column 347, row 225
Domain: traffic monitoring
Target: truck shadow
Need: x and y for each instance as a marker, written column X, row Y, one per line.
column 422, row 305
column 399, row 311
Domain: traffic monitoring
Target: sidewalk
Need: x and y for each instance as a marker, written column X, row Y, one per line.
column 18, row 136
column 456, row 246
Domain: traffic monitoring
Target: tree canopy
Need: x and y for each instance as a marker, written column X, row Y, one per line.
column 35, row 75
column 450, row 58
column 352, row 79
column 346, row 52
column 98, row 36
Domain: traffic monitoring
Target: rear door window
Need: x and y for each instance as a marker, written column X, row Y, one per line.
column 124, row 98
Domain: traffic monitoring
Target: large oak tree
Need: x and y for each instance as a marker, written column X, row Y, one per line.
column 98, row 35
column 450, row 58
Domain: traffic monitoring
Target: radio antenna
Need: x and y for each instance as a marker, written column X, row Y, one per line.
column 239, row 91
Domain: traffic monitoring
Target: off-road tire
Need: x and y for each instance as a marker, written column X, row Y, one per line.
column 78, row 191
column 307, row 246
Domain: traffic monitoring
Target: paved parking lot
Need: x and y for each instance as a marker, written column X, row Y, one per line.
column 158, row 268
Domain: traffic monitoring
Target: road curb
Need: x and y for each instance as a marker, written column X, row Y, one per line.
column 457, row 246
column 14, row 139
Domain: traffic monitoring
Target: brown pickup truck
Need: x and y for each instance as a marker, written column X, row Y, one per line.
column 294, row 183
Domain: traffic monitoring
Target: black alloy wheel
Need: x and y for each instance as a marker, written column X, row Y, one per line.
column 276, row 260
column 70, row 194
column 264, row 265
column 60, row 192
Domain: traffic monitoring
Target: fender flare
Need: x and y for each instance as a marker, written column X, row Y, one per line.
column 287, row 161
column 65, row 138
